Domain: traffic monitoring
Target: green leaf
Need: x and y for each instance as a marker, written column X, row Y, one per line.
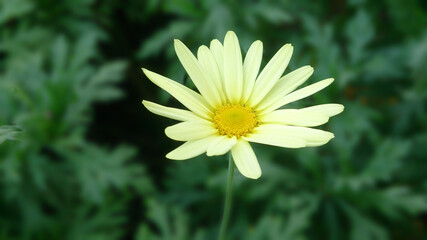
column 272, row 14
column 398, row 199
column 186, row 8
column 290, row 227
column 98, row 170
column 60, row 53
column 163, row 38
column 171, row 222
column 14, row 9
column 83, row 51
column 362, row 227
column 387, row 160
column 111, row 72
column 8, row 133
column 360, row 32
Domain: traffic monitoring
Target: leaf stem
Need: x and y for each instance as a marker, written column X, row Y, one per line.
column 228, row 198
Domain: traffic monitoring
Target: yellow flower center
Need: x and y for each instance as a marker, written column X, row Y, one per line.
column 235, row 120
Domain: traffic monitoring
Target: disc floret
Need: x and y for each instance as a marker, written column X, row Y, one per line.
column 235, row 120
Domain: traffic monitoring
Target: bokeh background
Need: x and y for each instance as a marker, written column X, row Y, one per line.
column 81, row 159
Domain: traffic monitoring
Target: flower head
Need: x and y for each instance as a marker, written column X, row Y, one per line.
column 235, row 105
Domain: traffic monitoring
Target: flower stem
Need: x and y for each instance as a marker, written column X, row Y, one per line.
column 228, row 198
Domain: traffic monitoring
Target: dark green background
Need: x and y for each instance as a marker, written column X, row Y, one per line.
column 80, row 158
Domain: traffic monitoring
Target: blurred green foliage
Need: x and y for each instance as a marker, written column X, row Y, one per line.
column 81, row 159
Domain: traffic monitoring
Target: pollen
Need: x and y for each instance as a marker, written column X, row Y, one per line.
column 235, row 120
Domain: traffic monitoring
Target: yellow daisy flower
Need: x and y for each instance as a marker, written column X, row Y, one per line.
column 236, row 105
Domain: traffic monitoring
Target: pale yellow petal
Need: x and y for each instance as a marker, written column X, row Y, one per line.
column 218, row 52
column 187, row 131
column 221, row 145
column 270, row 74
column 313, row 137
column 245, row 160
column 194, row 70
column 330, row 109
column 191, row 149
column 251, row 68
column 172, row 113
column 295, row 117
column 285, row 85
column 233, row 69
column 275, row 139
column 186, row 96
column 299, row 94
column 210, row 67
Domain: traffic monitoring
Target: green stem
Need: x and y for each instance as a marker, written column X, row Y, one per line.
column 228, row 198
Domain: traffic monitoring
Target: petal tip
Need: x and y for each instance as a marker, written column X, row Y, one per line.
column 254, row 176
column 340, row 109
column 147, row 104
column 230, row 32
column 214, row 41
column 146, row 71
column 307, row 69
column 202, row 50
column 177, row 43
column 171, row 156
column 230, row 36
column 168, row 133
column 288, row 46
column 211, row 154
